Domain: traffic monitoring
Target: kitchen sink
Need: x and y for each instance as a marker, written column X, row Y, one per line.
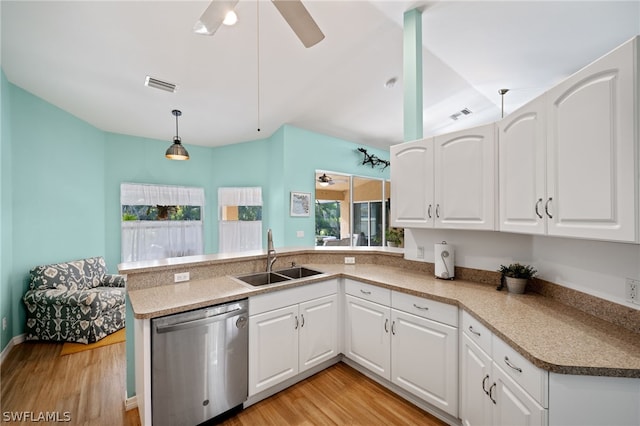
column 266, row 278
column 263, row 278
column 298, row 272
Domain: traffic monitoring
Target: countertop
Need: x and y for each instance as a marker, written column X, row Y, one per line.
column 551, row 335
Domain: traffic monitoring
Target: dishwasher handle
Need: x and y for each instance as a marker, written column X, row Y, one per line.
column 202, row 321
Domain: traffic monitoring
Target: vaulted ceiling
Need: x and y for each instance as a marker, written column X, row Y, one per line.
column 90, row 58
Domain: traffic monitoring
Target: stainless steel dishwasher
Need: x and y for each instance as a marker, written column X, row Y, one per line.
column 199, row 364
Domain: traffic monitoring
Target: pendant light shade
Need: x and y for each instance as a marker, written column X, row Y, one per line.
column 177, row 151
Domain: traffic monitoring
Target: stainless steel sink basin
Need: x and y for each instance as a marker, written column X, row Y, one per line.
column 298, row 272
column 263, row 278
column 266, row 278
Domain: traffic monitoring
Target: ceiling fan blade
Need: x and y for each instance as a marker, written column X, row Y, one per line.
column 213, row 16
column 300, row 21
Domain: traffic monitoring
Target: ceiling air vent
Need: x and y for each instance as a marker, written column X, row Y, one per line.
column 159, row 84
column 466, row 111
column 456, row 115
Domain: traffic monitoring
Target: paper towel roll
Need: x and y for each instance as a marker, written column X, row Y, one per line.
column 444, row 255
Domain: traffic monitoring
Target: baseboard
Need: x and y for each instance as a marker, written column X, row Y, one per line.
column 130, row 403
column 13, row 342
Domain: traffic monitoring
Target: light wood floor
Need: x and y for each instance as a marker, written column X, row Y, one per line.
column 90, row 386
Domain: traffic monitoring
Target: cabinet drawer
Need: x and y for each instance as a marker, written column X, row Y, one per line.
column 477, row 332
column 531, row 378
column 368, row 292
column 426, row 308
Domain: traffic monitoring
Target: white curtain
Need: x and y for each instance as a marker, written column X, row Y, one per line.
column 158, row 239
column 239, row 235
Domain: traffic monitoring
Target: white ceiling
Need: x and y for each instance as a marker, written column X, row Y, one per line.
column 90, row 59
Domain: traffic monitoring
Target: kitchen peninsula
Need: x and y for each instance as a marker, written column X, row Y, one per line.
column 569, row 349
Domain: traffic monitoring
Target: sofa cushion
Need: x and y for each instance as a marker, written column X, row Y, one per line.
column 94, row 271
column 68, row 276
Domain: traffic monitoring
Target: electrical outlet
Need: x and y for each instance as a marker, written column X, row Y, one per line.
column 632, row 288
column 300, row 234
column 183, row 276
column 350, row 260
column 420, row 253
column 4, row 323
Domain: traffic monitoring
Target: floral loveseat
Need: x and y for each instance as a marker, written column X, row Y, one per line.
column 74, row 302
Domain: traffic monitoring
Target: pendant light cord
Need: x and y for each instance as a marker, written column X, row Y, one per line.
column 258, row 56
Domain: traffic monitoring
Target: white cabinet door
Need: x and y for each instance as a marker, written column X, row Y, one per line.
column 367, row 332
column 273, row 348
column 513, row 406
column 476, row 408
column 318, row 331
column 424, row 357
column 412, row 184
column 522, row 148
column 592, row 184
column 465, row 179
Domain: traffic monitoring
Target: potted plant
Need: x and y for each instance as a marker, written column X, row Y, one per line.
column 394, row 237
column 516, row 277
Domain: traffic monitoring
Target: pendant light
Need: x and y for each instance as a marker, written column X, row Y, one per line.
column 177, row 151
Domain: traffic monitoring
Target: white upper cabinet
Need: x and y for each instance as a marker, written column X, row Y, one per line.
column 445, row 182
column 465, row 179
column 412, row 184
column 522, row 143
column 592, row 150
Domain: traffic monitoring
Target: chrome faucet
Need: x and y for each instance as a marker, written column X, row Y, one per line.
column 271, row 252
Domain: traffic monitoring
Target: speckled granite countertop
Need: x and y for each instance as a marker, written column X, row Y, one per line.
column 551, row 335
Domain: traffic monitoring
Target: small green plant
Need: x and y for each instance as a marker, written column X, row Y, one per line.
column 516, row 270
column 394, row 235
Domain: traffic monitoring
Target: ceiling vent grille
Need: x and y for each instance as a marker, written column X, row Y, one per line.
column 159, row 84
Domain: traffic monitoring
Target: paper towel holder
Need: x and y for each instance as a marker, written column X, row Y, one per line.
column 445, row 273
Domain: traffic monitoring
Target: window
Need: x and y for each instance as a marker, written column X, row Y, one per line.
column 160, row 221
column 240, row 219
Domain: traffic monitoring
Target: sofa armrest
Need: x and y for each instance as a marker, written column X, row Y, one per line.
column 113, row 280
column 61, row 297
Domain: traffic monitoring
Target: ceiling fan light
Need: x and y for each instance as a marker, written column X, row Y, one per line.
column 324, row 183
column 230, row 18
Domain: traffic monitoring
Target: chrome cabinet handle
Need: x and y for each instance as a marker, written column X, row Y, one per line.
column 438, row 211
column 506, row 361
column 538, row 205
column 365, row 292
column 423, row 308
column 546, row 207
column 484, row 382
column 386, row 325
column 297, row 323
column 429, row 211
column 493, row 386
column 302, row 324
column 393, row 328
column 477, row 333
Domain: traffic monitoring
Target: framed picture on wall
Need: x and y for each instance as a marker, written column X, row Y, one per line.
column 300, row 204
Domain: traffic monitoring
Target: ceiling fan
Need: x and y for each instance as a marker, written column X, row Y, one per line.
column 293, row 11
column 325, row 180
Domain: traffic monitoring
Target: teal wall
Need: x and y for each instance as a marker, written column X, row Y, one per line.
column 6, row 213
column 61, row 180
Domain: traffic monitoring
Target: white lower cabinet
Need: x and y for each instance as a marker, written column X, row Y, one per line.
column 286, row 341
column 498, row 386
column 411, row 350
column 367, row 335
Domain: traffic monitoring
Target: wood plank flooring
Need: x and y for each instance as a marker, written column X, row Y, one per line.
column 90, row 387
